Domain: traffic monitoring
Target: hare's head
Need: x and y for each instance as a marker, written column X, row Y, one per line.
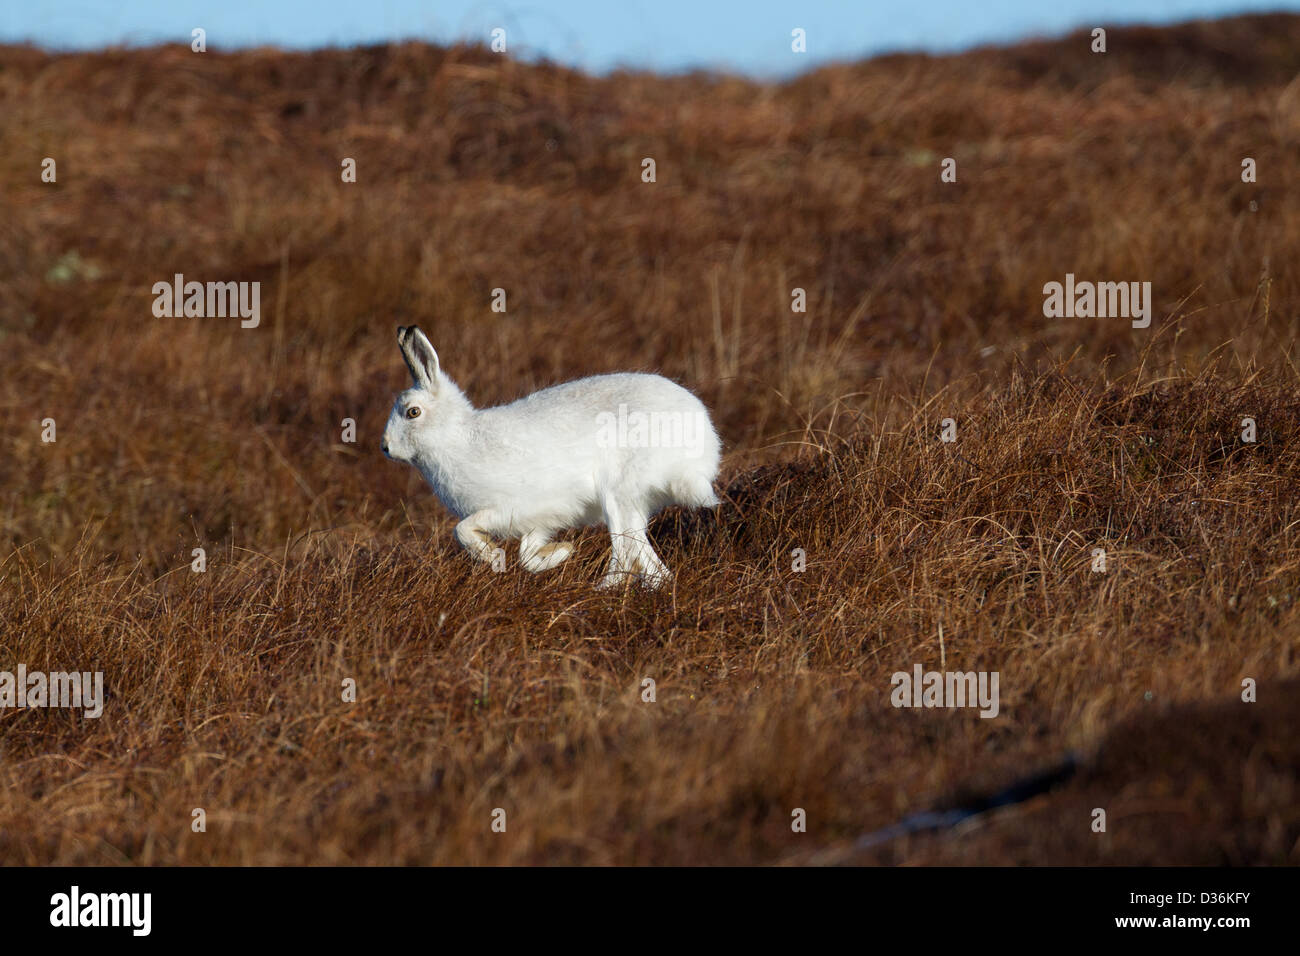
column 431, row 405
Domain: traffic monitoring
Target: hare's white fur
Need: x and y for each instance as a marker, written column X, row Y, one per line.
column 547, row 462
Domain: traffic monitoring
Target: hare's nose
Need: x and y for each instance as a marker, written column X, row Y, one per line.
column 384, row 446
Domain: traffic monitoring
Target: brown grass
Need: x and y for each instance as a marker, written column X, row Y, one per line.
column 480, row 690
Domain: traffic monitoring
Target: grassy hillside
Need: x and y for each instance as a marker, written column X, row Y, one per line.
column 478, row 690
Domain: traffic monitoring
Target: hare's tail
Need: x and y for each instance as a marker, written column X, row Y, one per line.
column 695, row 491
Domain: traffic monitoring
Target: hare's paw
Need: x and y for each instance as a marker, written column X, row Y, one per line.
column 656, row 578
column 538, row 557
column 653, row 572
column 615, row 580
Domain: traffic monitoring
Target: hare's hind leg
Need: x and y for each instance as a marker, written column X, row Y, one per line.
column 648, row 562
column 622, row 562
column 631, row 551
column 538, row 553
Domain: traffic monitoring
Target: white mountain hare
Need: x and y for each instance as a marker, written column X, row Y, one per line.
column 612, row 449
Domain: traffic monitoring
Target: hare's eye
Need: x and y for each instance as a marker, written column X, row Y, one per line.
column 413, row 412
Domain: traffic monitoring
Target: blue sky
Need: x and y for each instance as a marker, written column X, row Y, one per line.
column 751, row 36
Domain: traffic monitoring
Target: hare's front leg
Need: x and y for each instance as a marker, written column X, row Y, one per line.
column 538, row 553
column 474, row 539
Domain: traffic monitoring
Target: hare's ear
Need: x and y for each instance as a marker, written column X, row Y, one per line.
column 420, row 357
